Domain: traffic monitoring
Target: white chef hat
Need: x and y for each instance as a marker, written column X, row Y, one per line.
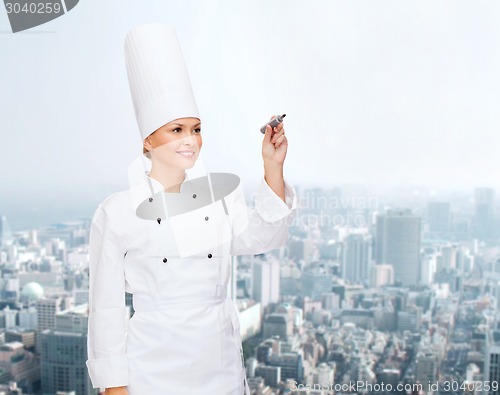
column 158, row 78
column 161, row 92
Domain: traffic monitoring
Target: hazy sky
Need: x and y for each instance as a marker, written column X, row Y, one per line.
column 376, row 92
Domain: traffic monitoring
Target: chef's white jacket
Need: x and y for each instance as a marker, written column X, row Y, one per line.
column 165, row 262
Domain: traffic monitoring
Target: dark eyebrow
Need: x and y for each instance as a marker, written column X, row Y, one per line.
column 180, row 124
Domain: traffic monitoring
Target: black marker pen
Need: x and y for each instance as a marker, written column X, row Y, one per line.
column 275, row 121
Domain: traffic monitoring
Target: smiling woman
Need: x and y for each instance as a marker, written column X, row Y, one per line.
column 185, row 334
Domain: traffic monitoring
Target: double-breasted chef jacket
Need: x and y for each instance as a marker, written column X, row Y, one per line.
column 184, row 335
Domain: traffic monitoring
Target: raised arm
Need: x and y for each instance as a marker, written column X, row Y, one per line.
column 265, row 227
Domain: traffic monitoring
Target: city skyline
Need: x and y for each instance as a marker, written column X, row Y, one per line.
column 325, row 308
column 452, row 260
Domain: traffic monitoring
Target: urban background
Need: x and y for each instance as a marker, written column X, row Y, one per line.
column 391, row 273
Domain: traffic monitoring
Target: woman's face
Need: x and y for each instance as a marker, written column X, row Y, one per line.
column 177, row 143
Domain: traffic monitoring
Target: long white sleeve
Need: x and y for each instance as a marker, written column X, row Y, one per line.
column 106, row 339
column 265, row 227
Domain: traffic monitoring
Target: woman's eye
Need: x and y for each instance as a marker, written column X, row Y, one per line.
column 198, row 130
column 176, row 129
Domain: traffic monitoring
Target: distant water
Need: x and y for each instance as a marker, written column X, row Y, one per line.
column 37, row 210
column 45, row 215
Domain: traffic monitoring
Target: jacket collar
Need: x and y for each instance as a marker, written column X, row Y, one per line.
column 154, row 185
column 148, row 187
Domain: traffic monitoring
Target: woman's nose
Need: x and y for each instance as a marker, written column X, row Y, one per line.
column 189, row 140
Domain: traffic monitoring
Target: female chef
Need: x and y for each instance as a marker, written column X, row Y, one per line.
column 166, row 242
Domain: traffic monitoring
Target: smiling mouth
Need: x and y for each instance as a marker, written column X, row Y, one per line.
column 186, row 154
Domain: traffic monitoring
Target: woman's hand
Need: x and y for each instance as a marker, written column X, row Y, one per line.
column 116, row 391
column 274, row 146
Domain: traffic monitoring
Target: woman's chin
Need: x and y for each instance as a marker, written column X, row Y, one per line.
column 187, row 165
column 179, row 163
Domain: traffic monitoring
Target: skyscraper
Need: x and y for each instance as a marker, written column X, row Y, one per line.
column 266, row 281
column 5, row 232
column 47, row 308
column 492, row 358
column 483, row 212
column 356, row 256
column 426, row 368
column 64, row 351
column 398, row 244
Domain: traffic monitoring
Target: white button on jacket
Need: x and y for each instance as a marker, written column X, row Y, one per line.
column 184, row 335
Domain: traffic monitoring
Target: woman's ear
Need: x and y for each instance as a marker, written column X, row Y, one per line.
column 147, row 144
